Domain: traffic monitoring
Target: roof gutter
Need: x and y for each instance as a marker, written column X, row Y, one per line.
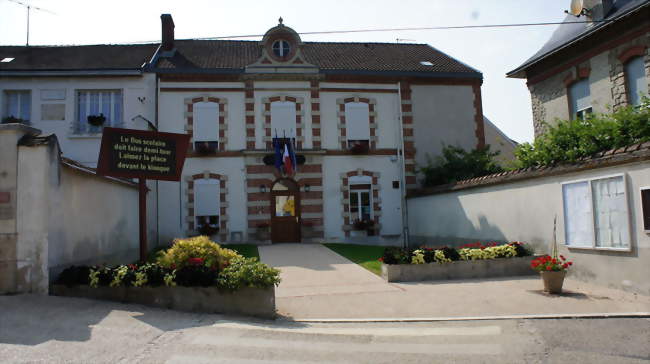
column 129, row 72
column 515, row 73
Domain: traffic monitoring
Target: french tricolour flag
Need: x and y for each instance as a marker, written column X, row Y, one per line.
column 287, row 160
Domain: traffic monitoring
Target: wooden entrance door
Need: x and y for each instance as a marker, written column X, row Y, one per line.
column 285, row 211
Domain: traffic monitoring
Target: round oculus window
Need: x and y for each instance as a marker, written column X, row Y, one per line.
column 281, row 48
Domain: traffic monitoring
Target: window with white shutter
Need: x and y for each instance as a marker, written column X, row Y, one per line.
column 207, row 202
column 357, row 123
column 283, row 119
column 98, row 108
column 635, row 80
column 580, row 99
column 205, row 126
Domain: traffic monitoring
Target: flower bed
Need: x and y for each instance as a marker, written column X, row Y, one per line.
column 469, row 261
column 195, row 274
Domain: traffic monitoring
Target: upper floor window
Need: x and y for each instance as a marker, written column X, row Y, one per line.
column 596, row 213
column 98, row 108
column 579, row 99
column 205, row 128
column 281, row 48
column 283, row 118
column 357, row 122
column 635, row 80
column 17, row 106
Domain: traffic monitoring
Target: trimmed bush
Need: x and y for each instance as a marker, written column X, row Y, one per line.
column 199, row 247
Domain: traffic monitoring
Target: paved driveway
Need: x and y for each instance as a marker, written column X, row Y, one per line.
column 320, row 284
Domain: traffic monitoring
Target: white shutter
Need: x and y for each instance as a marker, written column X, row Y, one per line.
column 205, row 122
column 611, row 217
column 357, row 121
column 206, row 197
column 578, row 217
column 580, row 96
column 636, row 80
column 283, row 118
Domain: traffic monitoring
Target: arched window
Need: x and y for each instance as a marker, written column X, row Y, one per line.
column 635, row 80
column 283, row 118
column 206, row 125
column 207, row 202
column 579, row 99
column 357, row 120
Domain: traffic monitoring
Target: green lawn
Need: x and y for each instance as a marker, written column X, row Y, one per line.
column 364, row 255
column 247, row 250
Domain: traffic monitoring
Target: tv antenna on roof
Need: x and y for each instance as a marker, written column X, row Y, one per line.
column 29, row 8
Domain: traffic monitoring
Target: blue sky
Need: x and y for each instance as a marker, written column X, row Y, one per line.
column 492, row 51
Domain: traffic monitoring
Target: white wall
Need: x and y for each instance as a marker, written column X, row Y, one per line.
column 443, row 115
column 390, row 219
column 84, row 149
column 524, row 211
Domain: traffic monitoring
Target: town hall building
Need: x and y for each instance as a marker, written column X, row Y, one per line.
column 346, row 109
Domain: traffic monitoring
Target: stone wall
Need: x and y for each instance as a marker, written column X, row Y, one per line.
column 606, row 78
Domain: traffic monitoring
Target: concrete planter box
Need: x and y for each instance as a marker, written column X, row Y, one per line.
column 489, row 268
column 247, row 301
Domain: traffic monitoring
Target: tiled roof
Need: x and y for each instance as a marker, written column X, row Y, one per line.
column 633, row 153
column 571, row 30
column 200, row 55
column 66, row 58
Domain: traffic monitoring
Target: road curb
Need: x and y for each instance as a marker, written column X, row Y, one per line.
column 597, row 315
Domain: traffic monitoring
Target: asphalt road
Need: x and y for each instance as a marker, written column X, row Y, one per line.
column 56, row 330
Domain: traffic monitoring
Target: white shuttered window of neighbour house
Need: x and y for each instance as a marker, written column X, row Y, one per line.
column 636, row 81
column 207, row 202
column 205, row 126
column 283, row 119
column 18, row 104
column 580, row 99
column 596, row 213
column 98, row 102
column 357, row 121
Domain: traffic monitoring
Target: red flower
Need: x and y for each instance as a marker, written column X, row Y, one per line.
column 570, row 263
column 548, row 267
column 381, row 259
column 562, row 257
column 173, row 266
column 195, row 261
column 554, row 261
column 565, row 266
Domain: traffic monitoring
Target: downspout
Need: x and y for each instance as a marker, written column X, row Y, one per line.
column 402, row 182
column 155, row 120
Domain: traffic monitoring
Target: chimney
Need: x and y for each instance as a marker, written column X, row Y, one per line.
column 167, row 43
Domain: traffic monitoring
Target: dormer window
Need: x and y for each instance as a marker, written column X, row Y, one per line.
column 281, row 48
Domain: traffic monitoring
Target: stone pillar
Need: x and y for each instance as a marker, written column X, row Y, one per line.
column 10, row 134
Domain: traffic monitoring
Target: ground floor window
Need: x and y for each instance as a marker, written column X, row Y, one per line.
column 360, row 206
column 596, row 213
column 207, row 205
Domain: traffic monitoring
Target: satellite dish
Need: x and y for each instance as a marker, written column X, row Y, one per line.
column 576, row 7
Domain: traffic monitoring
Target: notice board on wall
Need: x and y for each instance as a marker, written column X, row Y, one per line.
column 130, row 153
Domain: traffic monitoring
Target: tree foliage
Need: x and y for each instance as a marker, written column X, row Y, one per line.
column 570, row 140
column 457, row 164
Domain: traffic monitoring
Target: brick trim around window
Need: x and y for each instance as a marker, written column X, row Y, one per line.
column 268, row 132
column 189, row 118
column 345, row 201
column 223, row 192
column 372, row 120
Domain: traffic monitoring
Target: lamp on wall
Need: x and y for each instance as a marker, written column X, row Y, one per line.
column 263, row 188
column 307, row 188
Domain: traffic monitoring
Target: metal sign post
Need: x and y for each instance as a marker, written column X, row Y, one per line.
column 144, row 155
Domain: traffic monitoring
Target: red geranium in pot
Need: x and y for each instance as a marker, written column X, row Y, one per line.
column 552, row 271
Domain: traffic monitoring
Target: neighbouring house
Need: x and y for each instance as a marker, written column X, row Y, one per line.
column 351, row 108
column 601, row 204
column 500, row 142
column 593, row 66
